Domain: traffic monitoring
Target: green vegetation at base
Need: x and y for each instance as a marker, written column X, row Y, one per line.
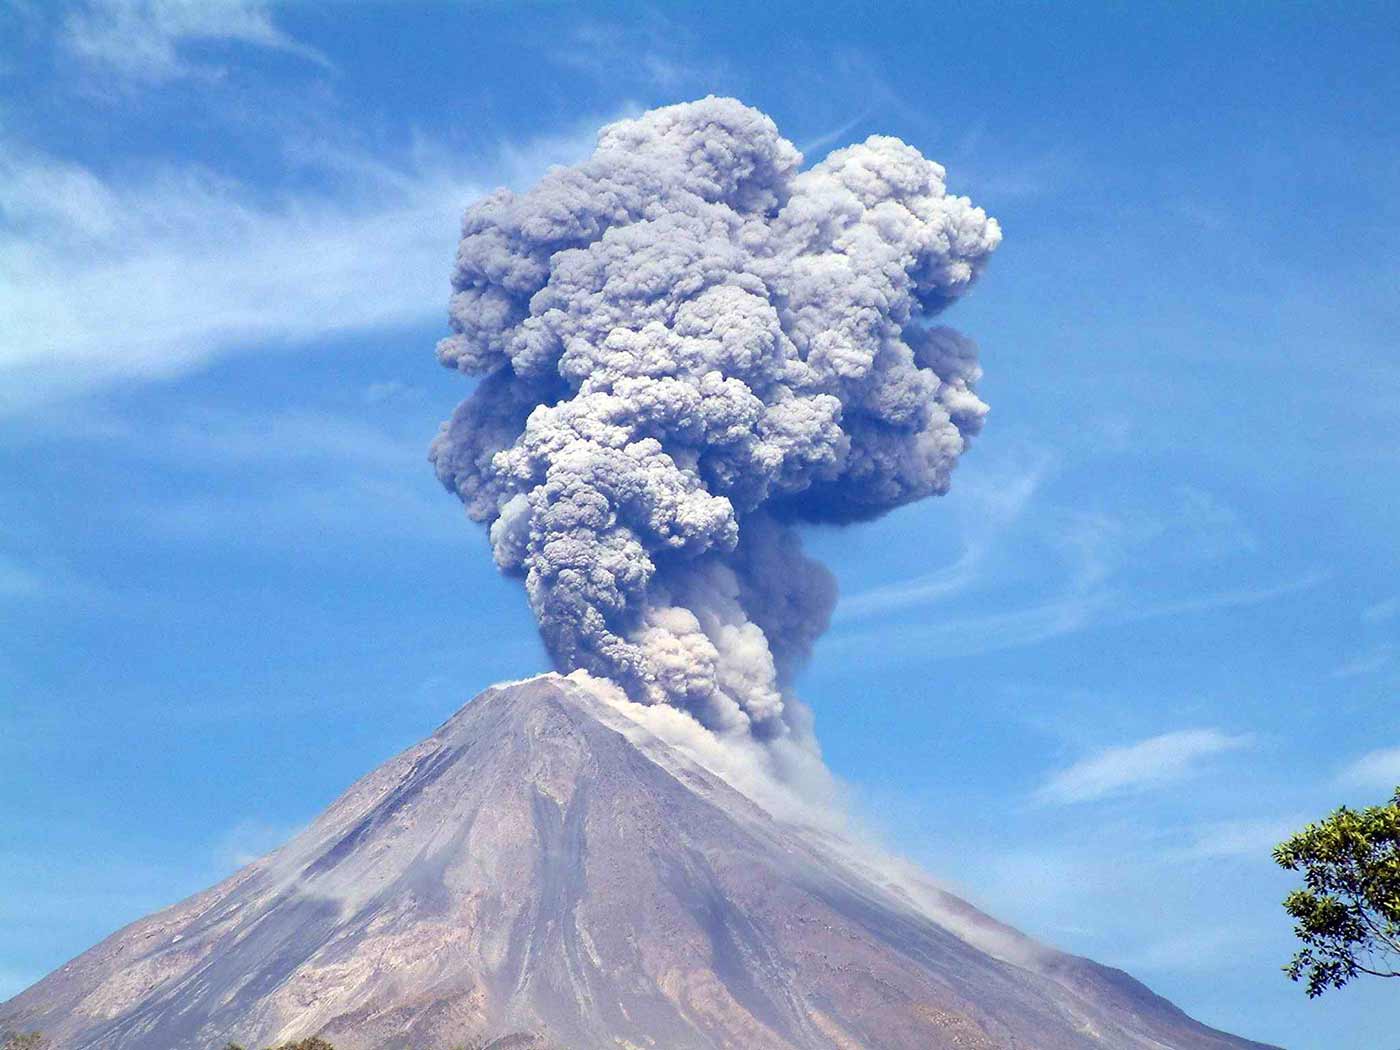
column 23, row 1041
column 1348, row 911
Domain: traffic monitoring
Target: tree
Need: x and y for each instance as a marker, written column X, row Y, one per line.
column 23, row 1041
column 1348, row 911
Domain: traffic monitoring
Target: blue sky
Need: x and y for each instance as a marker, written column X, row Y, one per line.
column 1155, row 625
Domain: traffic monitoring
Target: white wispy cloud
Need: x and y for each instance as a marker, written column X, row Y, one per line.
column 19, row 581
column 146, row 278
column 1190, row 951
column 1366, row 663
column 317, row 513
column 252, row 477
column 1239, row 838
column 1376, row 770
column 815, row 146
column 155, row 272
column 1096, row 548
column 945, row 582
column 1382, row 610
column 1226, row 599
column 288, row 476
column 992, row 503
column 285, row 437
column 388, row 390
column 145, row 39
column 45, row 579
column 650, row 49
column 1136, row 767
column 956, row 637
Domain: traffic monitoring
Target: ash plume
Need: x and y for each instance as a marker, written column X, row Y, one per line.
column 689, row 347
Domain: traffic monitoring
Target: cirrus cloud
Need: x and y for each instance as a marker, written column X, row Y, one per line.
column 144, row 39
column 156, row 270
column 1131, row 768
column 1378, row 770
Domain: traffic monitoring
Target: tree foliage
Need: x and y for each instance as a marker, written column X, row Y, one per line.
column 23, row 1041
column 1348, row 912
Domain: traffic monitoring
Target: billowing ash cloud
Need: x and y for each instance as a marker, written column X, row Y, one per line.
column 689, row 347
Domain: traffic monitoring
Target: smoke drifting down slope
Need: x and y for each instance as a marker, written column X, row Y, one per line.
column 544, row 872
column 688, row 348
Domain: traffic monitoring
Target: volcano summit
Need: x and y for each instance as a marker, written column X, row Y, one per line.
column 546, row 872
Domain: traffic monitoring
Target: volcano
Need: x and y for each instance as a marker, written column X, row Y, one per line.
column 545, row 872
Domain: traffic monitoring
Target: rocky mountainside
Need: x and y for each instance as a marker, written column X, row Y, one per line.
column 543, row 872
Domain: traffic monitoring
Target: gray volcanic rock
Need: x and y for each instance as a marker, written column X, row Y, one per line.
column 543, row 872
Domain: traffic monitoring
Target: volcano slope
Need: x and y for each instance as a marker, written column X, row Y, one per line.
column 544, row 872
